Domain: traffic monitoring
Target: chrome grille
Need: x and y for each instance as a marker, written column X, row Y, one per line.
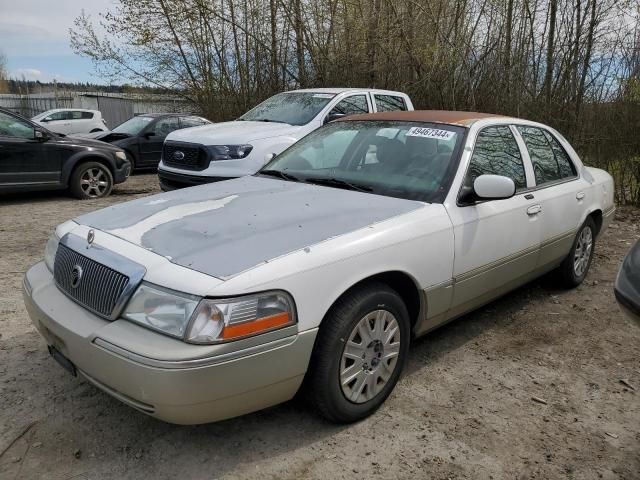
column 99, row 287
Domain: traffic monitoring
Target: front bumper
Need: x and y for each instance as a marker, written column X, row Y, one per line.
column 177, row 384
column 173, row 181
column 122, row 173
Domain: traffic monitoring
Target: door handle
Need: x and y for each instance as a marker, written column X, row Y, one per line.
column 579, row 195
column 534, row 210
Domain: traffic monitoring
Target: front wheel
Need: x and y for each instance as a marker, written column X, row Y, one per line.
column 360, row 352
column 91, row 180
column 574, row 268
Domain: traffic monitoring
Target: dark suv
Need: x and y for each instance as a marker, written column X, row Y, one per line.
column 142, row 136
column 34, row 158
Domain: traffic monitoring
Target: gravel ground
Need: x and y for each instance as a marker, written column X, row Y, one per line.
column 531, row 386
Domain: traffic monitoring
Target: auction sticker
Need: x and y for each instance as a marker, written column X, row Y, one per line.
column 430, row 133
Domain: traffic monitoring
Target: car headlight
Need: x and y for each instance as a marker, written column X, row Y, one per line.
column 161, row 309
column 222, row 320
column 229, row 152
column 50, row 251
column 121, row 155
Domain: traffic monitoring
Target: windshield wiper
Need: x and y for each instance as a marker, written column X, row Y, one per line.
column 336, row 182
column 269, row 120
column 279, row 174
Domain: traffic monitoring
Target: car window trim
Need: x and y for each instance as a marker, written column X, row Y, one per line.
column 475, row 141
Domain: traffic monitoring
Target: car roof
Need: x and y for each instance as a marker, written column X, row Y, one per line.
column 337, row 91
column 73, row 109
column 465, row 119
column 164, row 115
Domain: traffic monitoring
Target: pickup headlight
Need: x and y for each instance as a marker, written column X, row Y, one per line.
column 222, row 320
column 121, row 155
column 229, row 152
column 50, row 251
column 161, row 309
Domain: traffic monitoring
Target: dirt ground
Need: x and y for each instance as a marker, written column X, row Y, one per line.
column 464, row 409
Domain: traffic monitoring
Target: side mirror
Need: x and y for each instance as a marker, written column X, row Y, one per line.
column 40, row 136
column 268, row 157
column 148, row 135
column 494, row 187
column 46, row 119
column 333, row 116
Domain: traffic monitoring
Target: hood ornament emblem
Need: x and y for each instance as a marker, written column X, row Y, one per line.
column 91, row 237
column 178, row 155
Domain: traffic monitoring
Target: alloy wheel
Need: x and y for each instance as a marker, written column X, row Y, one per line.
column 582, row 252
column 94, row 182
column 370, row 356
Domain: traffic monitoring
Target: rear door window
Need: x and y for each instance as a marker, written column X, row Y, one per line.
column 86, row 115
column 389, row 103
column 549, row 160
column 352, row 105
column 497, row 153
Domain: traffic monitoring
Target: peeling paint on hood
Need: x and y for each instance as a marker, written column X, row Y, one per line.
column 225, row 228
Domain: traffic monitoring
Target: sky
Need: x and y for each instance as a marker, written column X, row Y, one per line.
column 34, row 36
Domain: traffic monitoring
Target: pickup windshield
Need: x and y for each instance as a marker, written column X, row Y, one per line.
column 294, row 108
column 412, row 160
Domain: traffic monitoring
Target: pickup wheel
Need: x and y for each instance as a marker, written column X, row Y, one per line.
column 359, row 354
column 91, row 180
column 574, row 268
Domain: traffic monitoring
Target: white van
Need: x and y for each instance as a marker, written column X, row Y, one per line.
column 233, row 149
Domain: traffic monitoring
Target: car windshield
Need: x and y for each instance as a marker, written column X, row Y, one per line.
column 134, row 125
column 294, row 108
column 409, row 160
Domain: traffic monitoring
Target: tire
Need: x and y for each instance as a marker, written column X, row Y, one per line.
column 337, row 350
column 91, row 180
column 575, row 267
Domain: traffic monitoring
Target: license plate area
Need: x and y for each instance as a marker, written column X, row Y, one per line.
column 63, row 361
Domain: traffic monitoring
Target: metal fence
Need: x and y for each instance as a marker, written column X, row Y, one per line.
column 115, row 108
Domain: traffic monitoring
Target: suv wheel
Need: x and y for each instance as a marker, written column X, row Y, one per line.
column 91, row 180
column 360, row 352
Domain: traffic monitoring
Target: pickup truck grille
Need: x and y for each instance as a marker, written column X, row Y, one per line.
column 184, row 155
column 91, row 284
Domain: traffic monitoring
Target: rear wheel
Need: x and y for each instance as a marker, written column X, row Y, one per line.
column 91, row 180
column 575, row 267
column 359, row 354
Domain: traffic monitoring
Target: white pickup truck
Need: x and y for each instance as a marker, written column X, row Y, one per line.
column 234, row 149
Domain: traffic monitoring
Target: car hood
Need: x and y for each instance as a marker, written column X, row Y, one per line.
column 225, row 228
column 233, row 133
column 83, row 142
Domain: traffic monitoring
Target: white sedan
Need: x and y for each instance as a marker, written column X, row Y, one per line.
column 72, row 120
column 211, row 302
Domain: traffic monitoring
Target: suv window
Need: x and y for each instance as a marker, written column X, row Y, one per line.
column 390, row 103
column 14, row 127
column 550, row 162
column 165, row 126
column 496, row 153
column 352, row 105
column 85, row 115
column 192, row 121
